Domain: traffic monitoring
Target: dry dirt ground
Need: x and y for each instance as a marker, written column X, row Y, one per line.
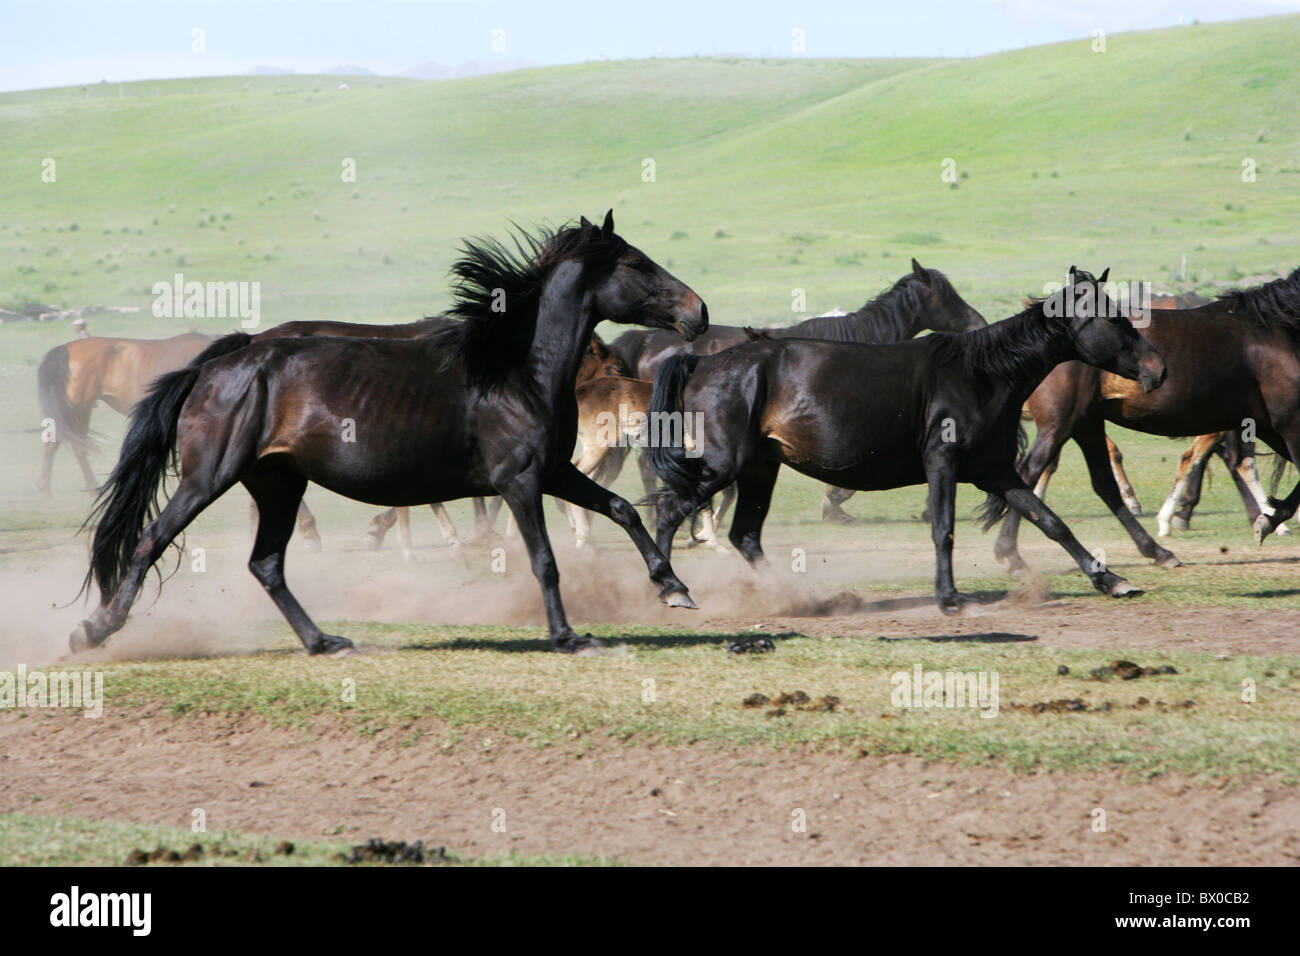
column 682, row 805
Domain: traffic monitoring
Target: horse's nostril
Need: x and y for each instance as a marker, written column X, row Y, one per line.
column 704, row 312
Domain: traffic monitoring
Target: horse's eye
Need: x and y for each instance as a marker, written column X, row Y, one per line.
column 636, row 262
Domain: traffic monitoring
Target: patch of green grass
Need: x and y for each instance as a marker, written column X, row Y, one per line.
column 27, row 840
column 674, row 687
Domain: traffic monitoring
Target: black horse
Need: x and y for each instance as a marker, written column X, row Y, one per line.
column 937, row 410
column 922, row 299
column 485, row 407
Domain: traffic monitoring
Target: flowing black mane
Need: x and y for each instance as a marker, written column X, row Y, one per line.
column 1275, row 304
column 1002, row 349
column 889, row 317
column 496, row 291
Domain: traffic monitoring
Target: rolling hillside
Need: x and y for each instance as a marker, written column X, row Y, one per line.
column 769, row 175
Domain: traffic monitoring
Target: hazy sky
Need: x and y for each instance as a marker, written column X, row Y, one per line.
column 53, row 43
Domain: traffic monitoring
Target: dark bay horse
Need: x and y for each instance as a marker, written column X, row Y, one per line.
column 485, row 407
column 922, row 299
column 936, row 410
column 1233, row 364
column 118, row 372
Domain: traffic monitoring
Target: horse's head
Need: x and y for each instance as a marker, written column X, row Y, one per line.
column 1103, row 335
column 598, row 360
column 945, row 310
column 640, row 291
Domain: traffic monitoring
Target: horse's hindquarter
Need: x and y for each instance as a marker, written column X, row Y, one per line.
column 854, row 416
column 358, row 417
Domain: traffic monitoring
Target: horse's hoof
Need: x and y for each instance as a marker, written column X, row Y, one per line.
column 581, row 645
column 1263, row 527
column 951, row 610
column 1169, row 561
column 312, row 545
column 79, row 639
column 1282, row 529
column 331, row 644
column 1134, row 508
column 374, row 541
column 679, row 599
column 1179, row 523
column 1122, row 588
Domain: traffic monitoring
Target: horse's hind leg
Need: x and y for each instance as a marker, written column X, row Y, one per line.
column 575, row 487
column 832, row 505
column 1121, row 478
column 307, row 528
column 1090, row 436
column 379, row 526
column 190, row 498
column 278, row 493
column 47, row 469
column 754, row 486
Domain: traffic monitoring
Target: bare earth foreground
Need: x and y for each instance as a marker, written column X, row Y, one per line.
column 688, row 804
column 633, row 804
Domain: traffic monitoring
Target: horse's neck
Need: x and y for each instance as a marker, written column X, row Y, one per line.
column 875, row 325
column 1029, row 366
column 564, row 326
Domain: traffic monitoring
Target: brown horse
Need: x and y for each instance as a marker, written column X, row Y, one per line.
column 74, row 376
column 1232, row 363
column 484, row 407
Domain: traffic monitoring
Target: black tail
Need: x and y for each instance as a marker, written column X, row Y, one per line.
column 70, row 424
column 128, row 501
column 679, row 473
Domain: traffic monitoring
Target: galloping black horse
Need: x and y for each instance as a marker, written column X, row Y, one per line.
column 939, row 410
column 485, row 407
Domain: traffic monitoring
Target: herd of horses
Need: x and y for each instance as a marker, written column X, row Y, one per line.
column 489, row 400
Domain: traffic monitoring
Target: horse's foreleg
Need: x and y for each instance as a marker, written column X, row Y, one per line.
column 404, row 532
column 445, row 525
column 650, row 483
column 279, row 498
column 1042, row 458
column 1024, row 502
column 1190, row 464
column 1090, row 437
column 942, row 478
column 728, row 499
column 575, row 487
column 832, row 503
column 1246, row 477
column 1289, row 448
column 524, row 496
column 1121, row 478
column 307, row 527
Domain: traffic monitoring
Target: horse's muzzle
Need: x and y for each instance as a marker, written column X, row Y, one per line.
column 695, row 322
column 1152, row 375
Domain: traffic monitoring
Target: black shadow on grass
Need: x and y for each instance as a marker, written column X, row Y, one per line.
column 520, row 645
column 991, row 637
column 1279, row 593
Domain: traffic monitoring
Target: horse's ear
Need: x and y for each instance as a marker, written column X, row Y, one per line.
column 1073, row 270
column 607, row 229
column 584, row 222
column 918, row 271
column 1103, row 275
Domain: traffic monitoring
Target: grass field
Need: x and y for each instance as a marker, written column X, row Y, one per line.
column 769, row 176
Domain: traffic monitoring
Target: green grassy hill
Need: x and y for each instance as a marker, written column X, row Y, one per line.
column 770, row 175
